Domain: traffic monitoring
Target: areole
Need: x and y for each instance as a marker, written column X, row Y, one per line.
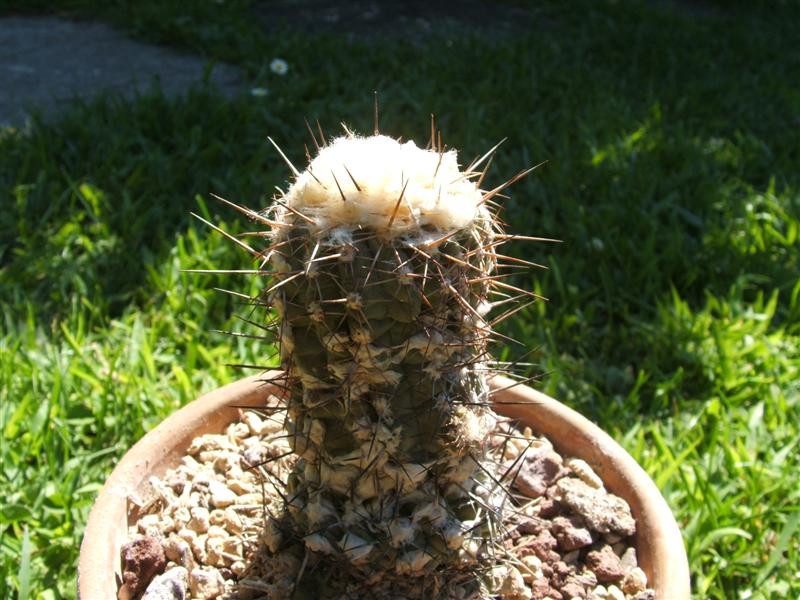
column 659, row 545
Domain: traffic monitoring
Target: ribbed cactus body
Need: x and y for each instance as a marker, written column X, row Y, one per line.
column 383, row 341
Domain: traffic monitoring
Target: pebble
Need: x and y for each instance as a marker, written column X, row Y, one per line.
column 187, row 534
column 190, row 463
column 199, row 498
column 142, row 559
column 635, row 581
column 216, row 517
column 536, row 472
column 221, row 495
column 238, row 431
column 573, row 590
column 605, row 565
column 531, row 568
column 171, row 585
column 253, row 422
column 614, row 593
column 206, row 583
column 200, row 521
column 549, row 508
column 181, row 517
column 274, row 424
column 176, row 484
column 162, row 489
column 148, row 522
column 215, row 531
column 208, row 442
column 584, row 472
column 543, row 546
column 541, row 590
column 515, row 446
column 251, row 499
column 562, row 570
column 179, row 551
column 233, row 522
column 513, row 586
column 233, row 546
column 628, row 559
column 240, row 487
column 215, row 555
column 227, row 462
column 153, row 532
column 530, row 525
column 198, row 545
column 586, row 578
column 167, row 525
column 570, row 533
column 255, row 456
column 601, row 511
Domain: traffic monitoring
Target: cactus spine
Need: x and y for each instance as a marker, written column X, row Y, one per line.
column 383, row 258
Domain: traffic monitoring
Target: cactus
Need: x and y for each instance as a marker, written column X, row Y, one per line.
column 383, row 257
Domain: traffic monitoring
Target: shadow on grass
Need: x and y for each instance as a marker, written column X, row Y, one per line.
column 669, row 136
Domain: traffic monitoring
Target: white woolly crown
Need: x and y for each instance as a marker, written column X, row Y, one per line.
column 358, row 181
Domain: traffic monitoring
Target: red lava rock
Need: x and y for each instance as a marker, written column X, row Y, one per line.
column 549, row 508
column 541, row 589
column 562, row 570
column 537, row 472
column 142, row 559
column 528, row 526
column 605, row 565
column 561, row 573
column 600, row 510
column 546, row 540
column 543, row 546
column 570, row 533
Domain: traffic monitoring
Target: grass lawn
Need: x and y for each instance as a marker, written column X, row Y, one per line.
column 672, row 135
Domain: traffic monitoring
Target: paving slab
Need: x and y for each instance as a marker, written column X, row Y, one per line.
column 46, row 62
column 375, row 21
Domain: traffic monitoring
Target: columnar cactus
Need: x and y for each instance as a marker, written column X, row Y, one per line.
column 383, row 257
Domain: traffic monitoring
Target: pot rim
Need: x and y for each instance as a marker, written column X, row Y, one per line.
column 658, row 540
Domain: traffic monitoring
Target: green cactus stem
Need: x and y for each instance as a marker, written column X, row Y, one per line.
column 383, row 257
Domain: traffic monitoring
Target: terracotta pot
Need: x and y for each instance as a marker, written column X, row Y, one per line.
column 659, row 546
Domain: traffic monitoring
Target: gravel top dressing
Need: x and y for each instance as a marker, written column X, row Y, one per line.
column 199, row 535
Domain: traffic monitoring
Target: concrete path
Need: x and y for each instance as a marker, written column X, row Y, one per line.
column 46, row 62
